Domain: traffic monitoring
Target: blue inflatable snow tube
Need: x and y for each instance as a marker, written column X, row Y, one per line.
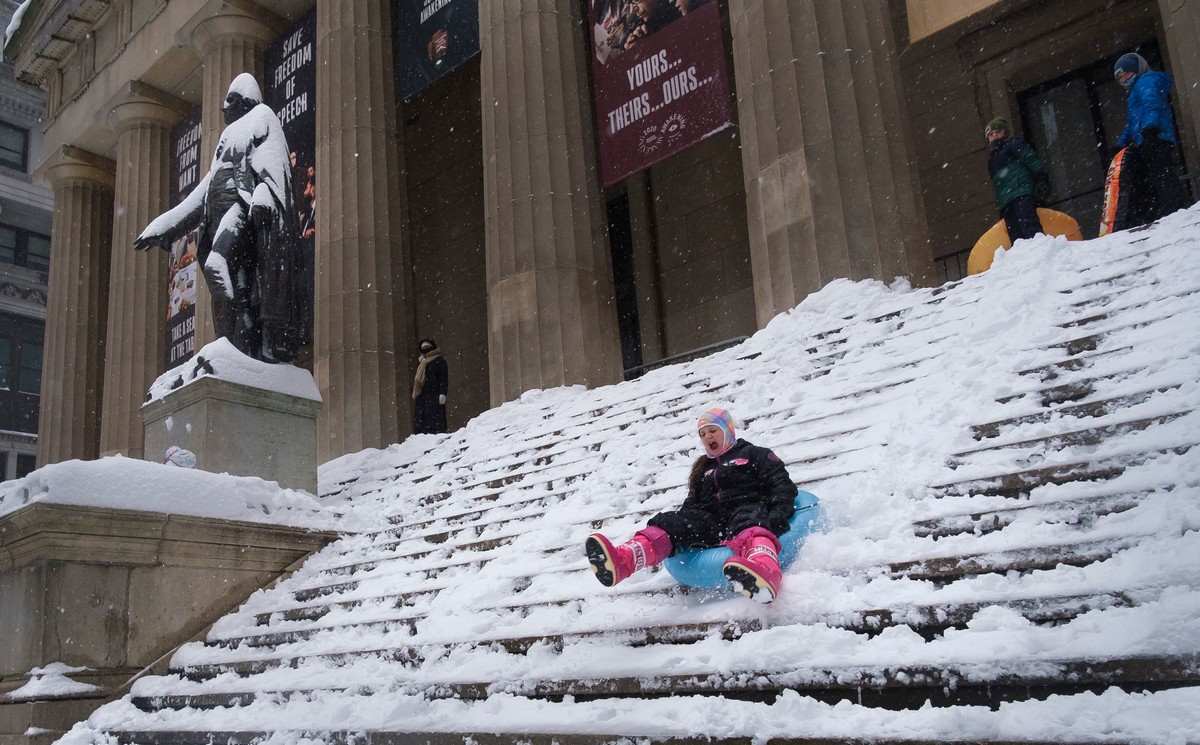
column 701, row 567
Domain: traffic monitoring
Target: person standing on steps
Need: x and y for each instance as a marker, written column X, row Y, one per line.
column 1019, row 178
column 739, row 495
column 430, row 386
column 1155, row 189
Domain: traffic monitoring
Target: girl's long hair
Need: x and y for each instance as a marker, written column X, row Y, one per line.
column 698, row 469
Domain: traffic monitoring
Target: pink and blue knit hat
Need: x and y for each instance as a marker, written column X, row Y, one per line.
column 719, row 418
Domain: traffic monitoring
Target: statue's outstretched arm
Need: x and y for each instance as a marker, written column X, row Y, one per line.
column 176, row 221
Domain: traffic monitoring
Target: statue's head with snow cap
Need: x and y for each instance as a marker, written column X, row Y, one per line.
column 244, row 94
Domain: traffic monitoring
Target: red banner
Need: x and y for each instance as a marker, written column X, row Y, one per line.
column 661, row 87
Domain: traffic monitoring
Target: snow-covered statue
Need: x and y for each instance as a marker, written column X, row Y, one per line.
column 248, row 246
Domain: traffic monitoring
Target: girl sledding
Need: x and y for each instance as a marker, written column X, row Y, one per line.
column 739, row 496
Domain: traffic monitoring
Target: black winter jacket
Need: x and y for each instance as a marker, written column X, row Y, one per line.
column 747, row 484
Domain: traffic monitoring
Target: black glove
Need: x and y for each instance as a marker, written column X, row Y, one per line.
column 1041, row 188
column 1150, row 134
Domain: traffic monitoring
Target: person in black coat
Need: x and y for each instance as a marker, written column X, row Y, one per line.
column 739, row 495
column 430, row 386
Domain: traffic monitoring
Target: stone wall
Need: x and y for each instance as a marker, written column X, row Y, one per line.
column 114, row 591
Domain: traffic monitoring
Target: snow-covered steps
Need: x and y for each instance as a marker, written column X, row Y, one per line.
column 1011, row 481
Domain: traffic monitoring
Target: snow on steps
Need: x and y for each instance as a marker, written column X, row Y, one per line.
column 1064, row 500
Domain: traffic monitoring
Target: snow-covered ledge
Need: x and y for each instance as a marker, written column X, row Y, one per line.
column 108, row 565
column 238, row 416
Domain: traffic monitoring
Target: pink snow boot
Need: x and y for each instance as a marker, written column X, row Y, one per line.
column 753, row 570
column 613, row 564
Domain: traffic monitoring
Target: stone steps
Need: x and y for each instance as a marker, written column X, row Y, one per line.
column 941, row 570
column 829, row 339
column 899, row 687
column 344, row 737
column 473, row 550
column 928, row 621
column 441, row 530
column 1049, row 495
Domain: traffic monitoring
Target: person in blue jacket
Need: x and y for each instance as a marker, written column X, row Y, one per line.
column 1155, row 187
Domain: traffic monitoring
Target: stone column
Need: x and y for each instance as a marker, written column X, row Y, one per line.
column 551, row 310
column 830, row 190
column 142, row 117
column 77, row 306
column 230, row 36
column 363, row 280
column 1181, row 23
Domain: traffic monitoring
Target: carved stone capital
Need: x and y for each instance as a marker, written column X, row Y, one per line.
column 222, row 20
column 70, row 164
column 137, row 103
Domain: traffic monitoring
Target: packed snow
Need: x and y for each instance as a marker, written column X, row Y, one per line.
column 220, row 359
column 117, row 482
column 50, row 681
column 14, row 25
column 873, row 434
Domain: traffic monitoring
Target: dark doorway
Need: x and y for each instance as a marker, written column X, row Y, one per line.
column 620, row 237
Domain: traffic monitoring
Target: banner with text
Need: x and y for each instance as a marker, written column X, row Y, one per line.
column 433, row 37
column 660, row 80
column 184, row 272
column 291, row 91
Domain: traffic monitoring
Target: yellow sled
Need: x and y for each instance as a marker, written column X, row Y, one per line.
column 1053, row 223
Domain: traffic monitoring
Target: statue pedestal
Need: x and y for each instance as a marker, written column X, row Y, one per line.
column 238, row 429
column 112, row 591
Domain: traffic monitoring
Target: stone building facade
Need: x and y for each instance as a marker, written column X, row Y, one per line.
column 857, row 151
column 25, row 218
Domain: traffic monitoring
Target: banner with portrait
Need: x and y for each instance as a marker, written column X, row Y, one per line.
column 660, row 80
column 183, row 272
column 291, row 92
column 433, row 37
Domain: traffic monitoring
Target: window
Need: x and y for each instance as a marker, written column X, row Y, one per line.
column 14, row 147
column 20, row 372
column 31, row 367
column 24, row 248
column 8, row 244
column 6, row 353
column 25, row 465
column 37, row 252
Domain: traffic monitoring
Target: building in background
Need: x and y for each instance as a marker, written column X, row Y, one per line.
column 476, row 208
column 25, row 219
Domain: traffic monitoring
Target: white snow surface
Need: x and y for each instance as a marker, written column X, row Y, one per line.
column 247, row 87
column 117, row 482
column 14, row 25
column 873, row 413
column 227, row 363
column 50, row 681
